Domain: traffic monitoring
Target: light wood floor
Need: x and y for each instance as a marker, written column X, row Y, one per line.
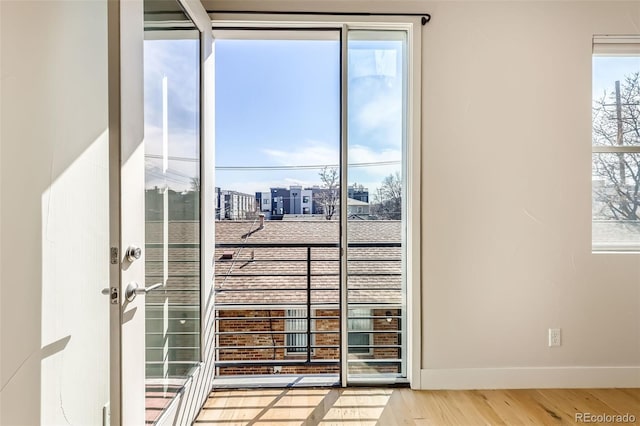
column 388, row 407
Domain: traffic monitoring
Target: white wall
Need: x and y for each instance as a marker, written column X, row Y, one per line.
column 1, row 351
column 506, row 231
column 54, row 212
column 507, row 201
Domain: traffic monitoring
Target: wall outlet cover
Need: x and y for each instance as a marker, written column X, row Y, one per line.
column 555, row 337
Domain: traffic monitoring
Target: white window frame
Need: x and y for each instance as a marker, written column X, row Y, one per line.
column 363, row 312
column 611, row 46
column 411, row 157
column 287, row 330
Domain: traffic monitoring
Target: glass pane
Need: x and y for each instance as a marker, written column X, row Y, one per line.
column 360, row 320
column 172, row 210
column 277, row 155
column 375, row 222
column 296, row 325
column 616, row 200
column 616, row 176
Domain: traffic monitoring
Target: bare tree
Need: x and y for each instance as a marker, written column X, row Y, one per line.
column 357, row 187
column 387, row 201
column 195, row 184
column 329, row 196
column 616, row 122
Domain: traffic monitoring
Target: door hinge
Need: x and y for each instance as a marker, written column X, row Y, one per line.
column 114, row 255
column 115, row 299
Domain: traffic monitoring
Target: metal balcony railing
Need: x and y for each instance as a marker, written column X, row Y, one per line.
column 278, row 305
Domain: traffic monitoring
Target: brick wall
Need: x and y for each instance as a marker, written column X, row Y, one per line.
column 268, row 321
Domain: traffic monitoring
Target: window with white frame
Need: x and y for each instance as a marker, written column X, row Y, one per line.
column 616, row 144
column 295, row 327
column 360, row 326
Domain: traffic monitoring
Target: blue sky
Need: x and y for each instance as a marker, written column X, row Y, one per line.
column 278, row 104
column 608, row 69
column 177, row 61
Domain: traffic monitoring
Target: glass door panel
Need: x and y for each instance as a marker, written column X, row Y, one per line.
column 172, row 206
column 376, row 76
column 278, row 219
column 277, row 281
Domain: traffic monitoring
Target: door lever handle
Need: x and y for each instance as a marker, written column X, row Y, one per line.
column 133, row 289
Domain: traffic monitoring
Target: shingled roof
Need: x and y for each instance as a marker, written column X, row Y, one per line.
column 263, row 270
column 261, row 273
column 319, row 231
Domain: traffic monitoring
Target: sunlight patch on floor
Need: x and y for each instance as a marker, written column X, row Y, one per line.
column 283, row 407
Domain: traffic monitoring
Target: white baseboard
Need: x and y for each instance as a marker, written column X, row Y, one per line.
column 530, row 378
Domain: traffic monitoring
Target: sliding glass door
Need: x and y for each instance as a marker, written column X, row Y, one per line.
column 375, row 215
column 311, row 130
column 277, row 281
column 172, row 207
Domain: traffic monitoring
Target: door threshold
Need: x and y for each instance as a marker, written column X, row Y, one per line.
column 276, row 381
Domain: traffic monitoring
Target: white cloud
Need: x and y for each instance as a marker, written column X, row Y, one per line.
column 373, row 63
column 313, row 153
column 380, row 112
column 379, row 118
column 177, row 61
column 309, row 153
column 181, row 144
column 366, row 154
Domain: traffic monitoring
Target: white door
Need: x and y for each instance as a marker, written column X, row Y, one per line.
column 143, row 293
column 126, row 133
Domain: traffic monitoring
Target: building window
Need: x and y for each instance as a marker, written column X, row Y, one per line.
column 265, row 201
column 360, row 327
column 616, row 144
column 295, row 327
column 305, row 199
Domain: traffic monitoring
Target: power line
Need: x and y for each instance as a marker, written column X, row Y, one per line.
column 160, row 157
column 291, row 167
column 308, row 167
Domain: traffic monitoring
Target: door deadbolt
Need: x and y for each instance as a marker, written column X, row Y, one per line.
column 133, row 253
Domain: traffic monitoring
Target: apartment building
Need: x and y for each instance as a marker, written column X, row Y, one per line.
column 292, row 201
column 234, row 205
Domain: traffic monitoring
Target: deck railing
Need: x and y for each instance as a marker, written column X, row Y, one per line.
column 282, row 313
